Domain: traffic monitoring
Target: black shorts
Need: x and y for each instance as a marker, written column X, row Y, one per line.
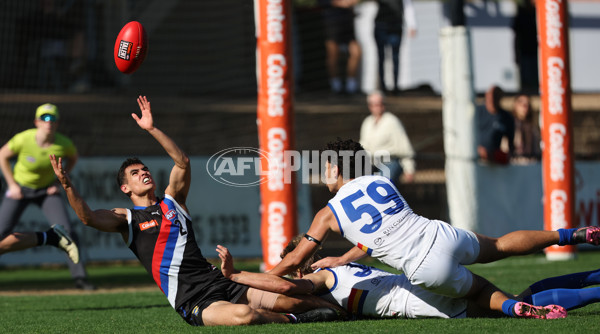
column 223, row 289
column 338, row 24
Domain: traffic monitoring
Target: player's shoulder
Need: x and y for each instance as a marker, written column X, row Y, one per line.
column 325, row 213
column 325, row 219
column 29, row 133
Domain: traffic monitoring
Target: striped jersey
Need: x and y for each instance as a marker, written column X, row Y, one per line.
column 162, row 238
column 372, row 214
column 369, row 292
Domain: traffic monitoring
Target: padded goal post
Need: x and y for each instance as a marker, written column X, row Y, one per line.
column 275, row 126
column 555, row 89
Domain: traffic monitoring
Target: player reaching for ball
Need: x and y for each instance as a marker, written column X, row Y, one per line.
column 370, row 212
column 160, row 234
column 368, row 292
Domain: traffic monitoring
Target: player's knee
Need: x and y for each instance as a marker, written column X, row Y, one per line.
column 243, row 315
column 489, row 249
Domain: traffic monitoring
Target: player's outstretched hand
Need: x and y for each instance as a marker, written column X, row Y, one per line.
column 61, row 173
column 226, row 261
column 328, row 262
column 145, row 122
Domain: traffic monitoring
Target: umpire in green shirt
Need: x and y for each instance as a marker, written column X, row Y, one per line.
column 33, row 181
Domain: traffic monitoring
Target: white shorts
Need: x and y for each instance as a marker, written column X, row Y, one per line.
column 426, row 304
column 442, row 270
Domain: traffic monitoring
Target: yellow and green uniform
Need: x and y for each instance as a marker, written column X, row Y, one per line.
column 33, row 168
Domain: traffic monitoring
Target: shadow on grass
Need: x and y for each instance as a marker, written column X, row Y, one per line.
column 111, row 308
column 59, row 279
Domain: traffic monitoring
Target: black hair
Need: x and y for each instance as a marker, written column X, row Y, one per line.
column 353, row 151
column 305, row 267
column 124, row 165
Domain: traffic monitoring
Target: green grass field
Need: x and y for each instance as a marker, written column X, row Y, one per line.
column 42, row 301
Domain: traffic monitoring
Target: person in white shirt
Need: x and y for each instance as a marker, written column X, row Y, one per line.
column 383, row 133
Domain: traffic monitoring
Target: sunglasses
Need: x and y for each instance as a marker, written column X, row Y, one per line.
column 48, row 118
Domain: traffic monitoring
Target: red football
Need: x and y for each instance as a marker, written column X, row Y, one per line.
column 131, row 47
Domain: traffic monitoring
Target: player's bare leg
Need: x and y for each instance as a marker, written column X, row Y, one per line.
column 18, row 241
column 226, row 313
column 56, row 236
column 271, row 301
column 514, row 243
column 528, row 242
column 302, row 303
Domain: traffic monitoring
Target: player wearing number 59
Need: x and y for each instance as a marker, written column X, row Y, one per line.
column 370, row 212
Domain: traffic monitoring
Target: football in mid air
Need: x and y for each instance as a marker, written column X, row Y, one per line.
column 131, row 47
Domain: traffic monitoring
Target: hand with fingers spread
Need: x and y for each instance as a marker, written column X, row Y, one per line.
column 145, row 122
column 328, row 262
column 226, row 261
column 61, row 173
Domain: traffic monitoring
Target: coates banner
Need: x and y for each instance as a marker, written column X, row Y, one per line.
column 275, row 135
column 557, row 157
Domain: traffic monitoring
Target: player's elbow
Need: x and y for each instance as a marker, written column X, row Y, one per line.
column 87, row 221
column 184, row 160
column 89, row 218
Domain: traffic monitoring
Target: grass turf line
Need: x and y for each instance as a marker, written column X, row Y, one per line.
column 149, row 312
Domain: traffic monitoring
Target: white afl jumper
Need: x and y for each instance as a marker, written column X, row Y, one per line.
column 372, row 214
column 370, row 292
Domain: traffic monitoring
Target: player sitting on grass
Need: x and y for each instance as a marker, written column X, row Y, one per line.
column 159, row 232
column 371, row 213
column 366, row 291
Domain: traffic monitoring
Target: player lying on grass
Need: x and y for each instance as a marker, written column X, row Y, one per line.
column 370, row 292
column 369, row 211
column 159, row 232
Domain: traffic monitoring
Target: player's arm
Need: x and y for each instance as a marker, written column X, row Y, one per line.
column 318, row 231
column 14, row 190
column 69, row 165
column 180, row 178
column 265, row 281
column 354, row 254
column 103, row 220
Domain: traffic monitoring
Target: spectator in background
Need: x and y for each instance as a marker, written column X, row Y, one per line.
column 494, row 125
column 527, row 133
column 389, row 22
column 338, row 22
column 383, row 131
column 32, row 181
column 526, row 45
column 364, row 23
